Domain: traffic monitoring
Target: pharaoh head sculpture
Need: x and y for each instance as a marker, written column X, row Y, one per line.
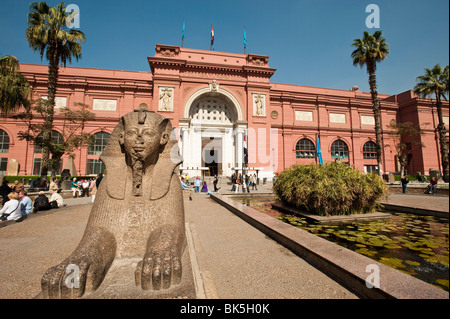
column 141, row 140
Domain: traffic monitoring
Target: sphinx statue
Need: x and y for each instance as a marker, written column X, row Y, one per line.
column 138, row 212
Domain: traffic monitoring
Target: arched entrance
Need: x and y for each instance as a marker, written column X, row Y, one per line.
column 212, row 133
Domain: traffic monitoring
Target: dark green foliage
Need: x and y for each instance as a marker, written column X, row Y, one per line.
column 329, row 189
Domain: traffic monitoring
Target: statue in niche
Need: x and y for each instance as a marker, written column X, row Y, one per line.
column 259, row 104
column 166, row 100
column 138, row 212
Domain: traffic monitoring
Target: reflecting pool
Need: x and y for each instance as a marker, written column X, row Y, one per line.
column 416, row 245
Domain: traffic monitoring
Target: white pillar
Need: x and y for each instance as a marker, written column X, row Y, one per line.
column 186, row 159
column 239, row 148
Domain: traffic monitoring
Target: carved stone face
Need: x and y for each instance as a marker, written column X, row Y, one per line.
column 141, row 142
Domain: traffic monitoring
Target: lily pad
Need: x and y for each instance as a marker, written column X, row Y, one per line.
column 412, row 263
column 442, row 282
column 367, row 252
column 392, row 262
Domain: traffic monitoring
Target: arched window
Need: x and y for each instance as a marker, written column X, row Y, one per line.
column 57, row 138
column 100, row 141
column 339, row 149
column 305, row 149
column 370, row 150
column 4, row 142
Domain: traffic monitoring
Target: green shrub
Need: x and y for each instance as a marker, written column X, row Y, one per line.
column 329, row 189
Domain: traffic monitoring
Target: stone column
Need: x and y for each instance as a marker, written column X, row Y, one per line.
column 240, row 128
column 185, row 150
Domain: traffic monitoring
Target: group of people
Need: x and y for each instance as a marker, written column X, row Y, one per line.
column 245, row 182
column 86, row 187
column 199, row 185
column 237, row 181
column 17, row 205
column 431, row 188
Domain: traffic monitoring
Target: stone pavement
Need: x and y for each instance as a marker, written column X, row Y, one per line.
column 231, row 258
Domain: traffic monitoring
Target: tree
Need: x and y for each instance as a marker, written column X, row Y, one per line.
column 370, row 50
column 73, row 134
column 435, row 81
column 14, row 87
column 405, row 135
column 48, row 34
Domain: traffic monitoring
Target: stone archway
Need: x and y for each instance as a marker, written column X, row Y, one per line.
column 212, row 133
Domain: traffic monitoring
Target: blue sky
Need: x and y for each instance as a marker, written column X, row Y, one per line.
column 308, row 42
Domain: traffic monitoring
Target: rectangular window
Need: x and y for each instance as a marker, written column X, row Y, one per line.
column 370, row 168
column 94, row 167
column 37, row 167
column 3, row 165
column 104, row 105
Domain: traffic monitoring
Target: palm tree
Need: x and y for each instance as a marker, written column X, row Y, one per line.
column 47, row 33
column 435, row 81
column 370, row 50
column 14, row 87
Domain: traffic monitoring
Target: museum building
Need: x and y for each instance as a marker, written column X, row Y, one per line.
column 227, row 117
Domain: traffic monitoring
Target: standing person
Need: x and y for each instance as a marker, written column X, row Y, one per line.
column 254, row 180
column 197, row 184
column 216, row 180
column 236, row 185
column 244, row 184
column 25, row 203
column 98, row 180
column 4, row 191
column 11, row 209
column 93, row 189
column 404, row 180
column 85, row 188
column 247, row 181
column 233, row 182
column 432, row 186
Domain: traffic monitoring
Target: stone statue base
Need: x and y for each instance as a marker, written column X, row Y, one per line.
column 65, row 185
column 119, row 283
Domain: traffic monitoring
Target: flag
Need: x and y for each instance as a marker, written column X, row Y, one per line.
column 212, row 35
column 184, row 28
column 245, row 39
column 319, row 152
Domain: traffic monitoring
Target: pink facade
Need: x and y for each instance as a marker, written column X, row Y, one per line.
column 221, row 102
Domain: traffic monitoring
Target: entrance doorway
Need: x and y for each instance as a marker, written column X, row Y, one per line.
column 212, row 155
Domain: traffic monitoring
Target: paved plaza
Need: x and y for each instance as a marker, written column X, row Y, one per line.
column 230, row 258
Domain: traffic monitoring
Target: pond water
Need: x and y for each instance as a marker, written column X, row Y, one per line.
column 416, row 245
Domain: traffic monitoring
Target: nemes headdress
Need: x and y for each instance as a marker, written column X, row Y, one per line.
column 113, row 155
